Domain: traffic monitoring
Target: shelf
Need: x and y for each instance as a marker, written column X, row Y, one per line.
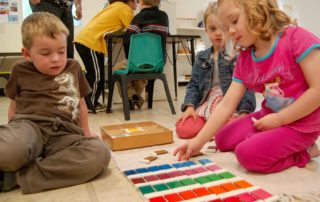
column 184, row 54
column 191, row 28
column 183, row 78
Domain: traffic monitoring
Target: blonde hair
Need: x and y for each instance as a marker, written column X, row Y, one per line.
column 212, row 9
column 151, row 2
column 264, row 18
column 41, row 23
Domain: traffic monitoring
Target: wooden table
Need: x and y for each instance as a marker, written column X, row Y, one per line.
column 5, row 54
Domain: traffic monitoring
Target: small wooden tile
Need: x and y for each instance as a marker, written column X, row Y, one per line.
column 151, row 178
column 175, row 173
column 188, row 195
column 261, row 194
column 159, row 152
column 175, row 184
column 187, row 181
column 201, row 191
column 246, row 197
column 226, row 175
column 160, row 187
column 137, row 180
column 229, row 186
column 231, row 199
column 146, row 189
column 214, row 177
column 163, row 176
column 243, row 184
column 202, row 180
column 157, row 199
column 213, row 167
column 217, row 189
column 173, row 197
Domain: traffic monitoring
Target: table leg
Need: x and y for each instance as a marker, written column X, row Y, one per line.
column 109, row 48
column 192, row 51
column 174, row 58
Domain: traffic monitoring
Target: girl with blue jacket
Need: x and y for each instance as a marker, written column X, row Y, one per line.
column 210, row 79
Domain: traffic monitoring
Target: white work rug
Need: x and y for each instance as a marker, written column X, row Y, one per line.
column 294, row 184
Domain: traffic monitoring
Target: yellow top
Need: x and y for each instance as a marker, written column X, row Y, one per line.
column 115, row 17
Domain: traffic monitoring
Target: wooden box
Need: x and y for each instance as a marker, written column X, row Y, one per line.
column 134, row 135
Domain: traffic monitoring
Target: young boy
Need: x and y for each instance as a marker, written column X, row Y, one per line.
column 149, row 19
column 47, row 143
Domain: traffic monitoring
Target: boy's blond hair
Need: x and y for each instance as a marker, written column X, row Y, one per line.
column 151, row 2
column 43, row 24
column 264, row 18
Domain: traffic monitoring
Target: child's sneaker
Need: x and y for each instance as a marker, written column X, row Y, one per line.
column 100, row 107
column 138, row 100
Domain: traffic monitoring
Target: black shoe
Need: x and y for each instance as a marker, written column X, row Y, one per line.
column 138, row 101
column 131, row 105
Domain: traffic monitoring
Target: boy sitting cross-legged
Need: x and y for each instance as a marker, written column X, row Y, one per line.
column 47, row 143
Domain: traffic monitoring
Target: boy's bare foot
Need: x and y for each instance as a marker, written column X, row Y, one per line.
column 314, row 151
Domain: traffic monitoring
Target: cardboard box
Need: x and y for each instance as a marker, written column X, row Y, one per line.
column 134, row 135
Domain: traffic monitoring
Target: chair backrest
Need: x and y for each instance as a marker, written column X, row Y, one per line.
column 145, row 54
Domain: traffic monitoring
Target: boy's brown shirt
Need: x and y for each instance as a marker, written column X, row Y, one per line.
column 50, row 96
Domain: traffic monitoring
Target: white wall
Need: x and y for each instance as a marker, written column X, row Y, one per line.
column 10, row 37
column 307, row 12
column 190, row 8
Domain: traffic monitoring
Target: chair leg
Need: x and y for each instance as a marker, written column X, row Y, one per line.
column 166, row 88
column 125, row 99
column 149, row 89
column 110, row 96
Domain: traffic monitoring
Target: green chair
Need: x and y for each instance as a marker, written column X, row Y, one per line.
column 145, row 62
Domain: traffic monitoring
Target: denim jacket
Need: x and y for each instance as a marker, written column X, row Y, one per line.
column 201, row 81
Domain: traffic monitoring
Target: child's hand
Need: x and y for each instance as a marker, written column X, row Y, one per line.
column 189, row 112
column 92, row 134
column 188, row 149
column 268, row 122
column 78, row 13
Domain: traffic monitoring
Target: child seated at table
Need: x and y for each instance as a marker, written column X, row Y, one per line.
column 91, row 45
column 149, row 19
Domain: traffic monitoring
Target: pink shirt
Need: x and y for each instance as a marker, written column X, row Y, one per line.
column 281, row 68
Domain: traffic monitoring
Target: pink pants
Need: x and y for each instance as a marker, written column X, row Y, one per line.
column 265, row 151
column 189, row 128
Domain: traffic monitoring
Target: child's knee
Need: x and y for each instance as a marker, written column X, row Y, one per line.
column 249, row 159
column 184, row 132
column 190, row 128
column 13, row 157
column 102, row 155
column 222, row 143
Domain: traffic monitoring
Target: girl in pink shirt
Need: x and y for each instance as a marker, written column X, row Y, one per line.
column 282, row 62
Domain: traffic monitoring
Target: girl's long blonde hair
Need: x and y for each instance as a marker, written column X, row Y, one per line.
column 264, row 18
